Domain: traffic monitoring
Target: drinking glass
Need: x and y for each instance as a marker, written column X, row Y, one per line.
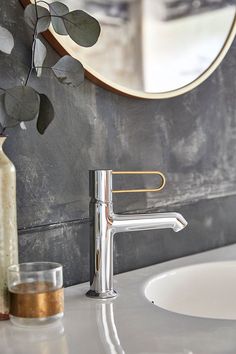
column 36, row 293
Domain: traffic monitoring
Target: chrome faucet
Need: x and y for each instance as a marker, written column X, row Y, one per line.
column 105, row 224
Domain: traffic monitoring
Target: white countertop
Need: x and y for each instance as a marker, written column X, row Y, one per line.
column 127, row 325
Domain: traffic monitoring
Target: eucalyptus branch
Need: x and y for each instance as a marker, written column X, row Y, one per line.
column 68, row 71
column 35, row 35
column 36, row 9
column 57, row 16
column 48, row 67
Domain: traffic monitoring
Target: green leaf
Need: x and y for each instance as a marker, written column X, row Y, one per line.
column 39, row 56
column 6, row 41
column 69, row 71
column 31, row 18
column 82, row 28
column 46, row 114
column 5, row 120
column 22, row 103
column 58, row 9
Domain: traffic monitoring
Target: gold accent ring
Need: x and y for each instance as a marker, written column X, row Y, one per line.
column 158, row 189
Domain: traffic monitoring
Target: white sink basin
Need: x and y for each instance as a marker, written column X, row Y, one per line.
column 204, row 290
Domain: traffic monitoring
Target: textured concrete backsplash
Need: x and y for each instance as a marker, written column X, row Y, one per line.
column 191, row 138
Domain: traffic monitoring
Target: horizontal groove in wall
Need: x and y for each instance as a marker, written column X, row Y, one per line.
column 60, row 224
column 52, row 226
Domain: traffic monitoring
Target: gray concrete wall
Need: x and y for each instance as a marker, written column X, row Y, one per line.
column 191, row 138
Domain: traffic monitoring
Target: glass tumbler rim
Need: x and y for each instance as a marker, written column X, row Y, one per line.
column 15, row 268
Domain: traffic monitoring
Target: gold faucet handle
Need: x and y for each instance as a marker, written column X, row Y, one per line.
column 157, row 189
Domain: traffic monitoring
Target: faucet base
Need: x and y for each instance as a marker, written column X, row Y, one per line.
column 102, row 296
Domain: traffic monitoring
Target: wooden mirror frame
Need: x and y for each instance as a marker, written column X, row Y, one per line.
column 107, row 84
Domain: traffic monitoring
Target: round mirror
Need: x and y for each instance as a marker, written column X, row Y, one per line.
column 154, row 48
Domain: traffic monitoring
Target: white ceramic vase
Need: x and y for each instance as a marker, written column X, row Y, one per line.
column 8, row 226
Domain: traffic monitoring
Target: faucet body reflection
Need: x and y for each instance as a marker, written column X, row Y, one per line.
column 107, row 328
column 105, row 224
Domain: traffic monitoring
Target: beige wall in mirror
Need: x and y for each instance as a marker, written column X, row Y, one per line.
column 155, row 48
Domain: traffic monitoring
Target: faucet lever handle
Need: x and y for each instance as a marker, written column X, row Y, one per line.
column 159, row 188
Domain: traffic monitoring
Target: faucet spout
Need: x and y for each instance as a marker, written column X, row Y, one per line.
column 105, row 224
column 152, row 221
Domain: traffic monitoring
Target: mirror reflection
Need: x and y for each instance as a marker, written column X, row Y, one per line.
column 153, row 46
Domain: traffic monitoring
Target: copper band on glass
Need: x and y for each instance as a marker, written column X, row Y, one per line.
column 37, row 305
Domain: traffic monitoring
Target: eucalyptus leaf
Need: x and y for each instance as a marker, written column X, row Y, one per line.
column 82, row 28
column 46, row 114
column 22, row 103
column 6, row 41
column 5, row 120
column 69, row 71
column 58, row 9
column 39, row 56
column 31, row 18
